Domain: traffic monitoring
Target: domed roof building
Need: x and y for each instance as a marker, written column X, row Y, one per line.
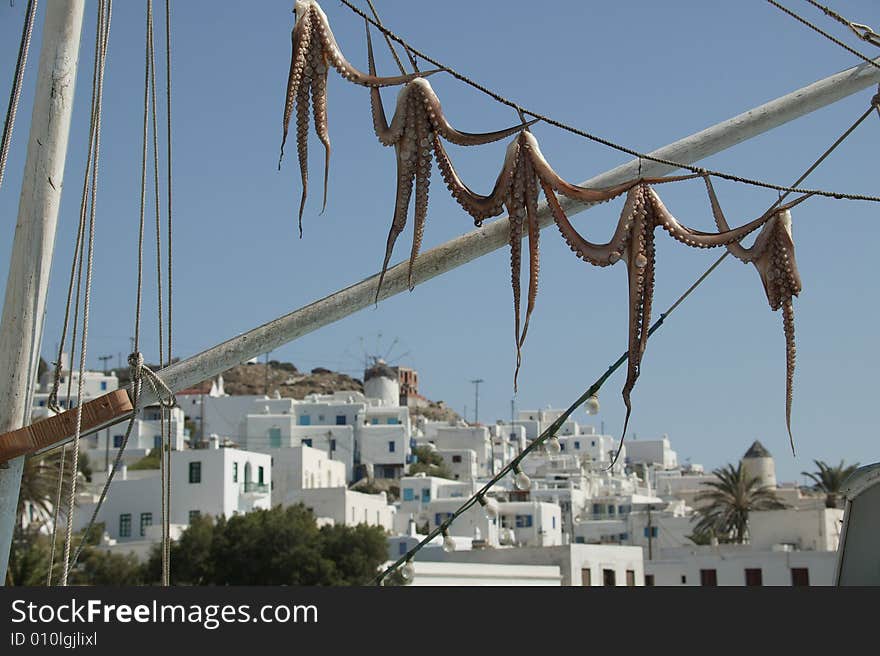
column 757, row 462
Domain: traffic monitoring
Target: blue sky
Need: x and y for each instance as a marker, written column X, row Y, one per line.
column 640, row 73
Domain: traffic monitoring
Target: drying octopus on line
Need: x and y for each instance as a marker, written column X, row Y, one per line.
column 773, row 257
column 516, row 190
column 415, row 131
column 314, row 52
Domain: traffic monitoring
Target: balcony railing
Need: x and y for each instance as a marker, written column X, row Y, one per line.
column 255, row 487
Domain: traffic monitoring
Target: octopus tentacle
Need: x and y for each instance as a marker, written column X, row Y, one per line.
column 405, row 170
column 300, row 38
column 531, row 205
column 478, row 206
column 338, row 60
column 441, row 125
column 516, row 214
column 423, row 182
column 302, row 145
column 319, row 105
column 788, row 329
column 388, row 134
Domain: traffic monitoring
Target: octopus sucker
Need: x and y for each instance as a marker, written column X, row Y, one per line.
column 788, row 329
column 314, row 52
column 302, row 146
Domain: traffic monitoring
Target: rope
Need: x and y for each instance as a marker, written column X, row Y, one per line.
column 864, row 32
column 170, row 225
column 139, row 372
column 15, row 94
column 601, row 140
column 55, row 514
column 513, row 465
column 828, row 36
column 103, row 28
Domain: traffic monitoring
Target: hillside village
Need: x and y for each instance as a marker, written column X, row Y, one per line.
column 345, row 449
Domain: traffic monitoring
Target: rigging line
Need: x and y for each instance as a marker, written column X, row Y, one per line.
column 55, row 515
column 601, row 140
column 828, row 36
column 167, row 454
column 594, row 388
column 387, row 39
column 864, row 32
column 104, row 14
column 15, row 93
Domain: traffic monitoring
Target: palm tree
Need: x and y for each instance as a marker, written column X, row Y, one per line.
column 39, row 485
column 830, row 479
column 732, row 497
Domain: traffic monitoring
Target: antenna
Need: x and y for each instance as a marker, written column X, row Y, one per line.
column 476, row 382
column 104, row 359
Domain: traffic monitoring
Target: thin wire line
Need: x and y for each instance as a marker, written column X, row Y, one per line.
column 828, row 36
column 15, row 94
column 864, row 32
column 513, row 465
column 601, row 140
column 167, row 454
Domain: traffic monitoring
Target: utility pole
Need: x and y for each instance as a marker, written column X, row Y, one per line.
column 24, row 309
column 104, row 359
column 476, row 383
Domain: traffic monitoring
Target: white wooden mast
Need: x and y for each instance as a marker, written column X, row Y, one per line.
column 21, row 327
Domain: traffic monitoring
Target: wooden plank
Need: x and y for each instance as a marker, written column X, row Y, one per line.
column 53, row 430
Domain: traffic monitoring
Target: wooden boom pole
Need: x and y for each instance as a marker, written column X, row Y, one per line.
column 21, row 327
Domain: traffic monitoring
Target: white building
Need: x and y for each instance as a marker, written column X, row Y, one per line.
column 530, row 524
column 468, row 574
column 339, row 505
column 217, row 482
column 303, row 468
column 657, row 453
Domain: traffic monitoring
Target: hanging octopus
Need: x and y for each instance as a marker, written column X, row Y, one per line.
column 314, row 52
column 773, row 257
column 516, row 189
column 415, row 131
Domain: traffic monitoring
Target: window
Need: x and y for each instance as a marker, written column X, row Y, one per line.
column 125, row 525
column 275, row 438
column 577, row 444
column 623, row 537
column 441, row 517
column 401, row 548
column 193, row 515
column 608, row 577
column 320, row 417
column 235, row 472
column 579, row 539
column 684, row 579
column 649, row 580
column 146, row 520
column 592, row 442
column 611, row 509
column 408, row 494
column 103, row 385
column 651, row 531
column 374, row 421
column 340, row 420
column 195, row 472
column 393, row 421
column 307, row 441
column 426, row 494
column 800, row 576
column 597, row 508
column 260, row 471
column 708, row 577
column 523, row 521
column 304, row 420
column 117, row 441
column 585, row 577
column 554, row 522
column 157, row 441
column 753, row 577
column 42, row 404
column 333, row 445
column 630, row 578
column 456, row 458
column 391, row 447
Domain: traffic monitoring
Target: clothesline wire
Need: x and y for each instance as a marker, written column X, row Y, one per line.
column 864, row 32
column 18, row 79
column 592, row 137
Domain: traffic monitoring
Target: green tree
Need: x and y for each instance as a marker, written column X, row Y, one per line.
column 829, row 479
column 430, row 462
column 28, row 557
column 733, row 496
column 96, row 567
column 281, row 546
